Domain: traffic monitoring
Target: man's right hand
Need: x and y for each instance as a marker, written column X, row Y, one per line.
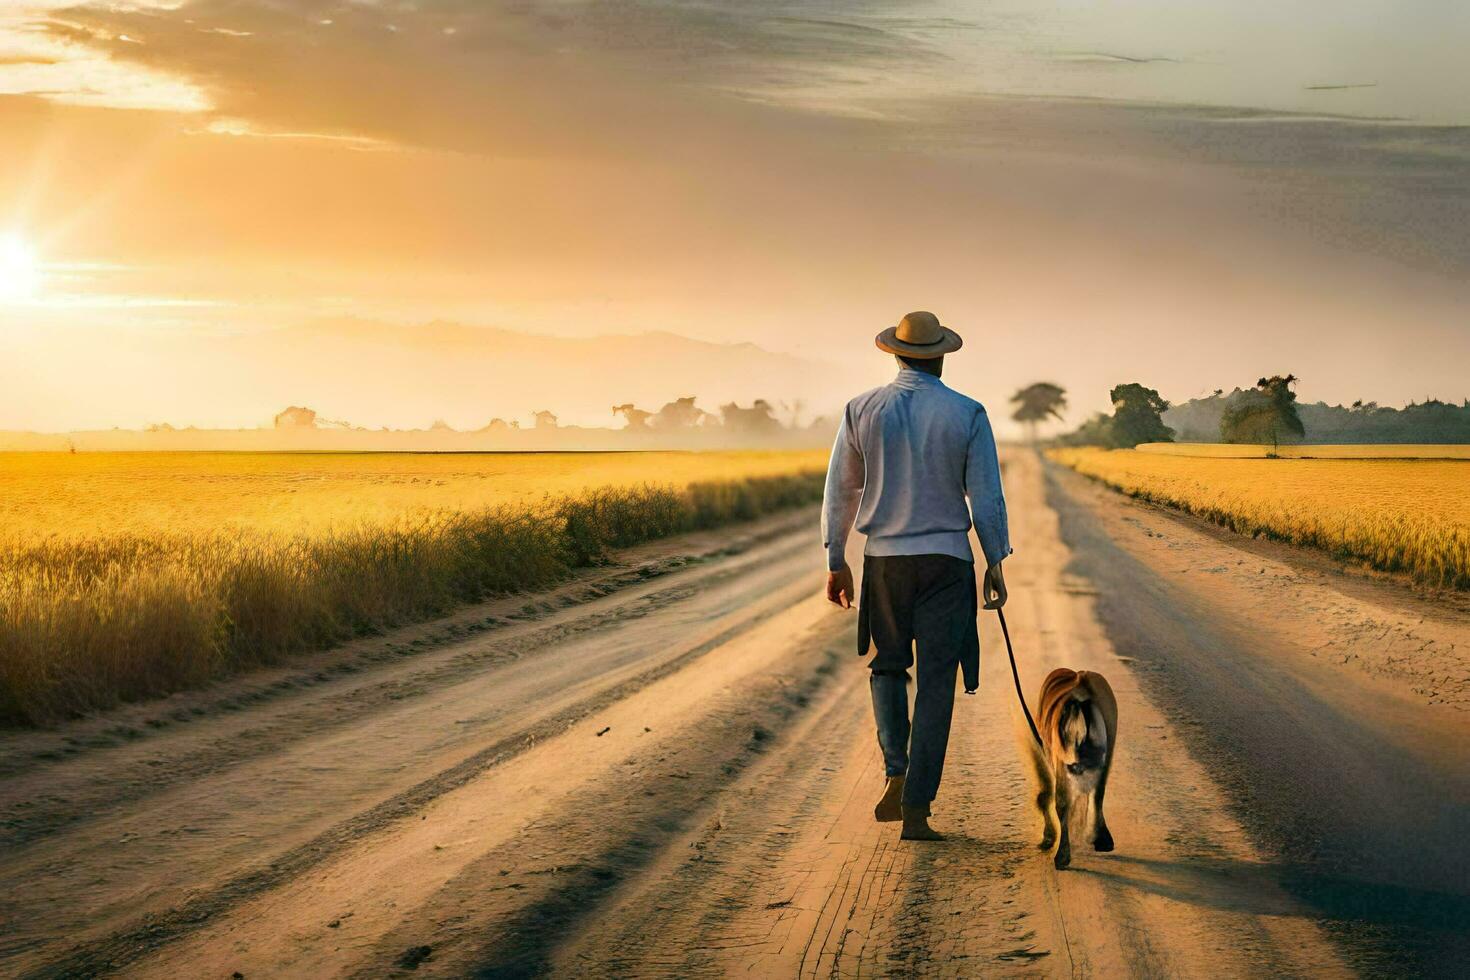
column 839, row 587
column 993, row 589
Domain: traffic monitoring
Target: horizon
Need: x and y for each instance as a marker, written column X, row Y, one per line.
column 806, row 413
column 798, row 415
column 1171, row 196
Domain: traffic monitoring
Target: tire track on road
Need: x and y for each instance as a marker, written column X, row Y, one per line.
column 606, row 836
column 125, row 947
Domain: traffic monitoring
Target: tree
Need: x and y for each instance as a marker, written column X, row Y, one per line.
column 758, row 419
column 678, row 414
column 1138, row 416
column 1038, row 402
column 296, row 417
column 637, row 417
column 544, row 419
column 1265, row 414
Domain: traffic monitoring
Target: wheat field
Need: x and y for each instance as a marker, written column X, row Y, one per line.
column 87, row 495
column 1397, row 515
column 129, row 576
column 1220, row 450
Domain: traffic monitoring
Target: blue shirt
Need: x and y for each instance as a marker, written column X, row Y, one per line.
column 906, row 457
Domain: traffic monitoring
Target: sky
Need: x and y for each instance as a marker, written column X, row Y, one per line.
column 1186, row 194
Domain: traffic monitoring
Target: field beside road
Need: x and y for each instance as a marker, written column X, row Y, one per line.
column 1395, row 515
column 131, row 576
column 84, row 496
column 1221, row 450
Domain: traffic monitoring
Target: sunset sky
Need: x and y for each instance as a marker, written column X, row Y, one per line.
column 1187, row 194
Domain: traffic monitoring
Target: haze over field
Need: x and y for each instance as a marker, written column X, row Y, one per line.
column 375, row 374
column 1187, row 195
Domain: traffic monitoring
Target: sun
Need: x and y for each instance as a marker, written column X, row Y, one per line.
column 20, row 270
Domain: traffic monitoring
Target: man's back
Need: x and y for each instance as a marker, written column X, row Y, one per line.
column 906, row 456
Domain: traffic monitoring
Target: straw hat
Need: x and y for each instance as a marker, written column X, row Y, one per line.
column 919, row 335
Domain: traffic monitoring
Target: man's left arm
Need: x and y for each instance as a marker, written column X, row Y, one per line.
column 988, row 506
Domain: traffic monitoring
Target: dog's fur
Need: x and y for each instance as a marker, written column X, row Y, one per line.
column 1077, row 716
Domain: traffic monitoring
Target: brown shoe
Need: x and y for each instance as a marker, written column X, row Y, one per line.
column 916, row 825
column 890, row 807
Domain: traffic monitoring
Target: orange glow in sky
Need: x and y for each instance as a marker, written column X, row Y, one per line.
column 1186, row 195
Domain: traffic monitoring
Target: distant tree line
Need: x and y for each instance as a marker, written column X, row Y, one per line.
column 1430, row 421
column 680, row 415
column 1266, row 414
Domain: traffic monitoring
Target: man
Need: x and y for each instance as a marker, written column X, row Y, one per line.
column 906, row 457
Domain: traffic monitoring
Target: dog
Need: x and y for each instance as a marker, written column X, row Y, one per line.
column 1078, row 723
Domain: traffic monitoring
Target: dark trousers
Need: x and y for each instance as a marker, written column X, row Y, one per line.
column 928, row 603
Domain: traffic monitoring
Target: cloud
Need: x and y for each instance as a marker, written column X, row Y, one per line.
column 46, row 55
column 455, row 74
column 1105, row 57
column 226, row 126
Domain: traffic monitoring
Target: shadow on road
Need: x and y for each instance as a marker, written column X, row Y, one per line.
column 1281, row 889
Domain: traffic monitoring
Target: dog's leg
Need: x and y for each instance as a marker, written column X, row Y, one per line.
column 1048, row 824
column 1102, row 838
column 1045, row 787
column 1062, row 793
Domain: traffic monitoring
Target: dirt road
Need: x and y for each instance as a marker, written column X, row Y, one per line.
column 667, row 768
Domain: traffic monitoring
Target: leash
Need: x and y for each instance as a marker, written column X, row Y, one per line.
column 1016, row 676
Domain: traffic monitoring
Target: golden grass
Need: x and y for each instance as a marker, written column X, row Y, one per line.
column 83, row 495
column 131, row 576
column 1398, row 515
column 1347, row 451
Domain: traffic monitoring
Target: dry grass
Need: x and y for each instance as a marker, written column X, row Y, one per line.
column 1398, row 515
column 169, row 572
column 46, row 495
column 1348, row 451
